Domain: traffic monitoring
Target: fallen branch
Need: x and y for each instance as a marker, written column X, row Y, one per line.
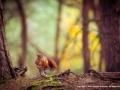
column 106, row 75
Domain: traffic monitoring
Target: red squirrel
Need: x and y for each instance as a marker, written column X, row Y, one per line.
column 44, row 63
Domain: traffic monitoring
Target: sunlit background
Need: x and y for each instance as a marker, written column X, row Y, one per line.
column 42, row 21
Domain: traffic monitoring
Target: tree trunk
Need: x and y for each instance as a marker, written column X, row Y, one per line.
column 22, row 58
column 101, row 59
column 110, row 33
column 96, row 11
column 86, row 51
column 57, row 35
column 6, row 70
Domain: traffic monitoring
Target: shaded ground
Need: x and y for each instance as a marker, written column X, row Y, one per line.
column 71, row 82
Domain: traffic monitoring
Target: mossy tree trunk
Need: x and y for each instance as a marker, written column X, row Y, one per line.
column 6, row 70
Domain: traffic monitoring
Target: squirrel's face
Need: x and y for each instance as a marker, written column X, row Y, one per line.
column 40, row 57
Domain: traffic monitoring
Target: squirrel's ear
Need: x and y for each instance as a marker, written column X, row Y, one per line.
column 39, row 55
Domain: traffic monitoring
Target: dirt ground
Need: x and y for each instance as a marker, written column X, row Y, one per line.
column 71, row 82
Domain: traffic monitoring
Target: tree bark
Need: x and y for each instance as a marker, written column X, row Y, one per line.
column 6, row 69
column 22, row 58
column 86, row 51
column 110, row 33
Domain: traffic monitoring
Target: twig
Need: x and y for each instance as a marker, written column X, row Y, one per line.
column 96, row 73
column 64, row 73
column 74, row 74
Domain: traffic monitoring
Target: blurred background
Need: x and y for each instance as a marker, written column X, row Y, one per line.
column 65, row 30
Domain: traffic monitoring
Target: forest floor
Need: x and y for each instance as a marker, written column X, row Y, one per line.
column 65, row 82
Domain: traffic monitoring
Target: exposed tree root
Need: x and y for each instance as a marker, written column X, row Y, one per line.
column 20, row 71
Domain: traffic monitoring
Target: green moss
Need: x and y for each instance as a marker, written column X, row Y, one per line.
column 49, row 81
column 5, row 81
column 58, row 88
